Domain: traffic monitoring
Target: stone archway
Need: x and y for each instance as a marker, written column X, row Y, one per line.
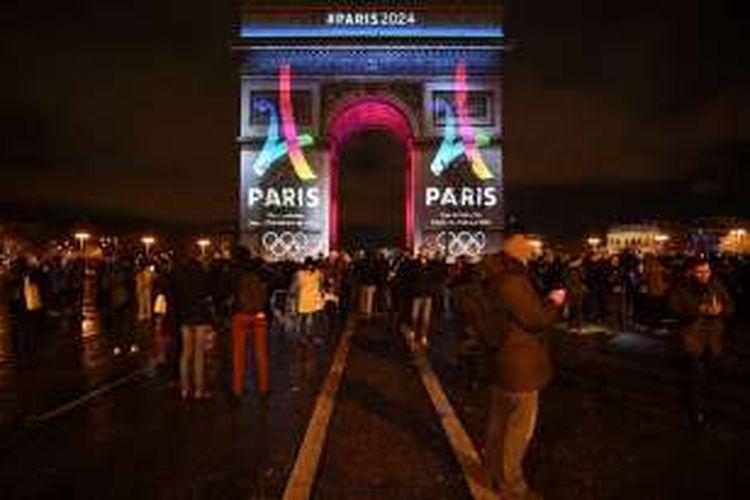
column 356, row 114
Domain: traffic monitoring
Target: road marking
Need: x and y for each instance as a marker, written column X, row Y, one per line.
column 64, row 408
column 305, row 468
column 463, row 448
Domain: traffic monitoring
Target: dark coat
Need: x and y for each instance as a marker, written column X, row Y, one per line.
column 427, row 279
column 700, row 331
column 251, row 292
column 522, row 363
column 366, row 272
column 192, row 292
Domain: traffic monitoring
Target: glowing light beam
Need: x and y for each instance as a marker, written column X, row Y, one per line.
column 289, row 128
column 478, row 166
column 275, row 146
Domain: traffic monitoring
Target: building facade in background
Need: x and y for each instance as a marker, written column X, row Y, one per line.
column 641, row 238
column 715, row 235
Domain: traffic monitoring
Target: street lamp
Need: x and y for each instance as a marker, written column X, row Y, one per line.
column 82, row 237
column 594, row 241
column 661, row 238
column 204, row 243
column 147, row 242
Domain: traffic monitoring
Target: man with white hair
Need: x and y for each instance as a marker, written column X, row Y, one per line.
column 521, row 362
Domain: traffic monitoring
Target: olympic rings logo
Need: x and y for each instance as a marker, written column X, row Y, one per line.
column 286, row 245
column 462, row 243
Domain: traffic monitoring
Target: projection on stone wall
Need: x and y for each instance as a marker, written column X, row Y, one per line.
column 283, row 194
column 462, row 209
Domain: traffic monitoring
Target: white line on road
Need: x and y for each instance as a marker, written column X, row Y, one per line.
column 64, row 408
column 463, row 448
column 302, row 477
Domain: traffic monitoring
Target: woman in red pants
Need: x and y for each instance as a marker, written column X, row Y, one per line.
column 249, row 316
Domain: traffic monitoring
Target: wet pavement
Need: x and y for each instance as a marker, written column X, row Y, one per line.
column 385, row 438
column 141, row 441
column 611, row 425
column 63, row 369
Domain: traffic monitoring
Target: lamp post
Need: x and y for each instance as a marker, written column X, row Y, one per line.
column 88, row 300
column 82, row 237
column 204, row 243
column 147, row 242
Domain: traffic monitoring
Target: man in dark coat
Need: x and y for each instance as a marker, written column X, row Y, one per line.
column 366, row 278
column 522, row 364
column 425, row 285
column 702, row 304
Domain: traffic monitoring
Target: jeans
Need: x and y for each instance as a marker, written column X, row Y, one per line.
column 306, row 325
column 510, row 428
column 421, row 310
column 366, row 299
column 193, row 357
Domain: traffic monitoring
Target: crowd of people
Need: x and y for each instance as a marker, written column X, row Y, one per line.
column 516, row 299
column 621, row 292
column 175, row 305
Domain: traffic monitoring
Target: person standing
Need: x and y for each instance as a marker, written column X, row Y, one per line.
column 656, row 285
column 249, row 316
column 161, row 310
column 574, row 284
column 702, row 304
column 307, row 288
column 425, row 286
column 144, row 284
column 367, row 284
column 121, row 292
column 33, row 321
column 194, row 310
column 521, row 363
column 6, row 342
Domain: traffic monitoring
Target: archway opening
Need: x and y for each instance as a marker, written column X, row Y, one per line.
column 371, row 190
column 372, row 133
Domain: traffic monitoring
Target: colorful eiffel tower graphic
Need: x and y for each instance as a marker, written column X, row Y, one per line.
column 459, row 137
column 281, row 136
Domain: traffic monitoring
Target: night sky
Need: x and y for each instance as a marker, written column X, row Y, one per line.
column 612, row 108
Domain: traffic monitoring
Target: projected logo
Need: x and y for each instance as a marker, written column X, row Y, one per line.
column 460, row 243
column 289, row 245
column 459, row 137
column 282, row 139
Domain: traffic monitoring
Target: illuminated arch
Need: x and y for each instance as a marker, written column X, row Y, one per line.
column 379, row 111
